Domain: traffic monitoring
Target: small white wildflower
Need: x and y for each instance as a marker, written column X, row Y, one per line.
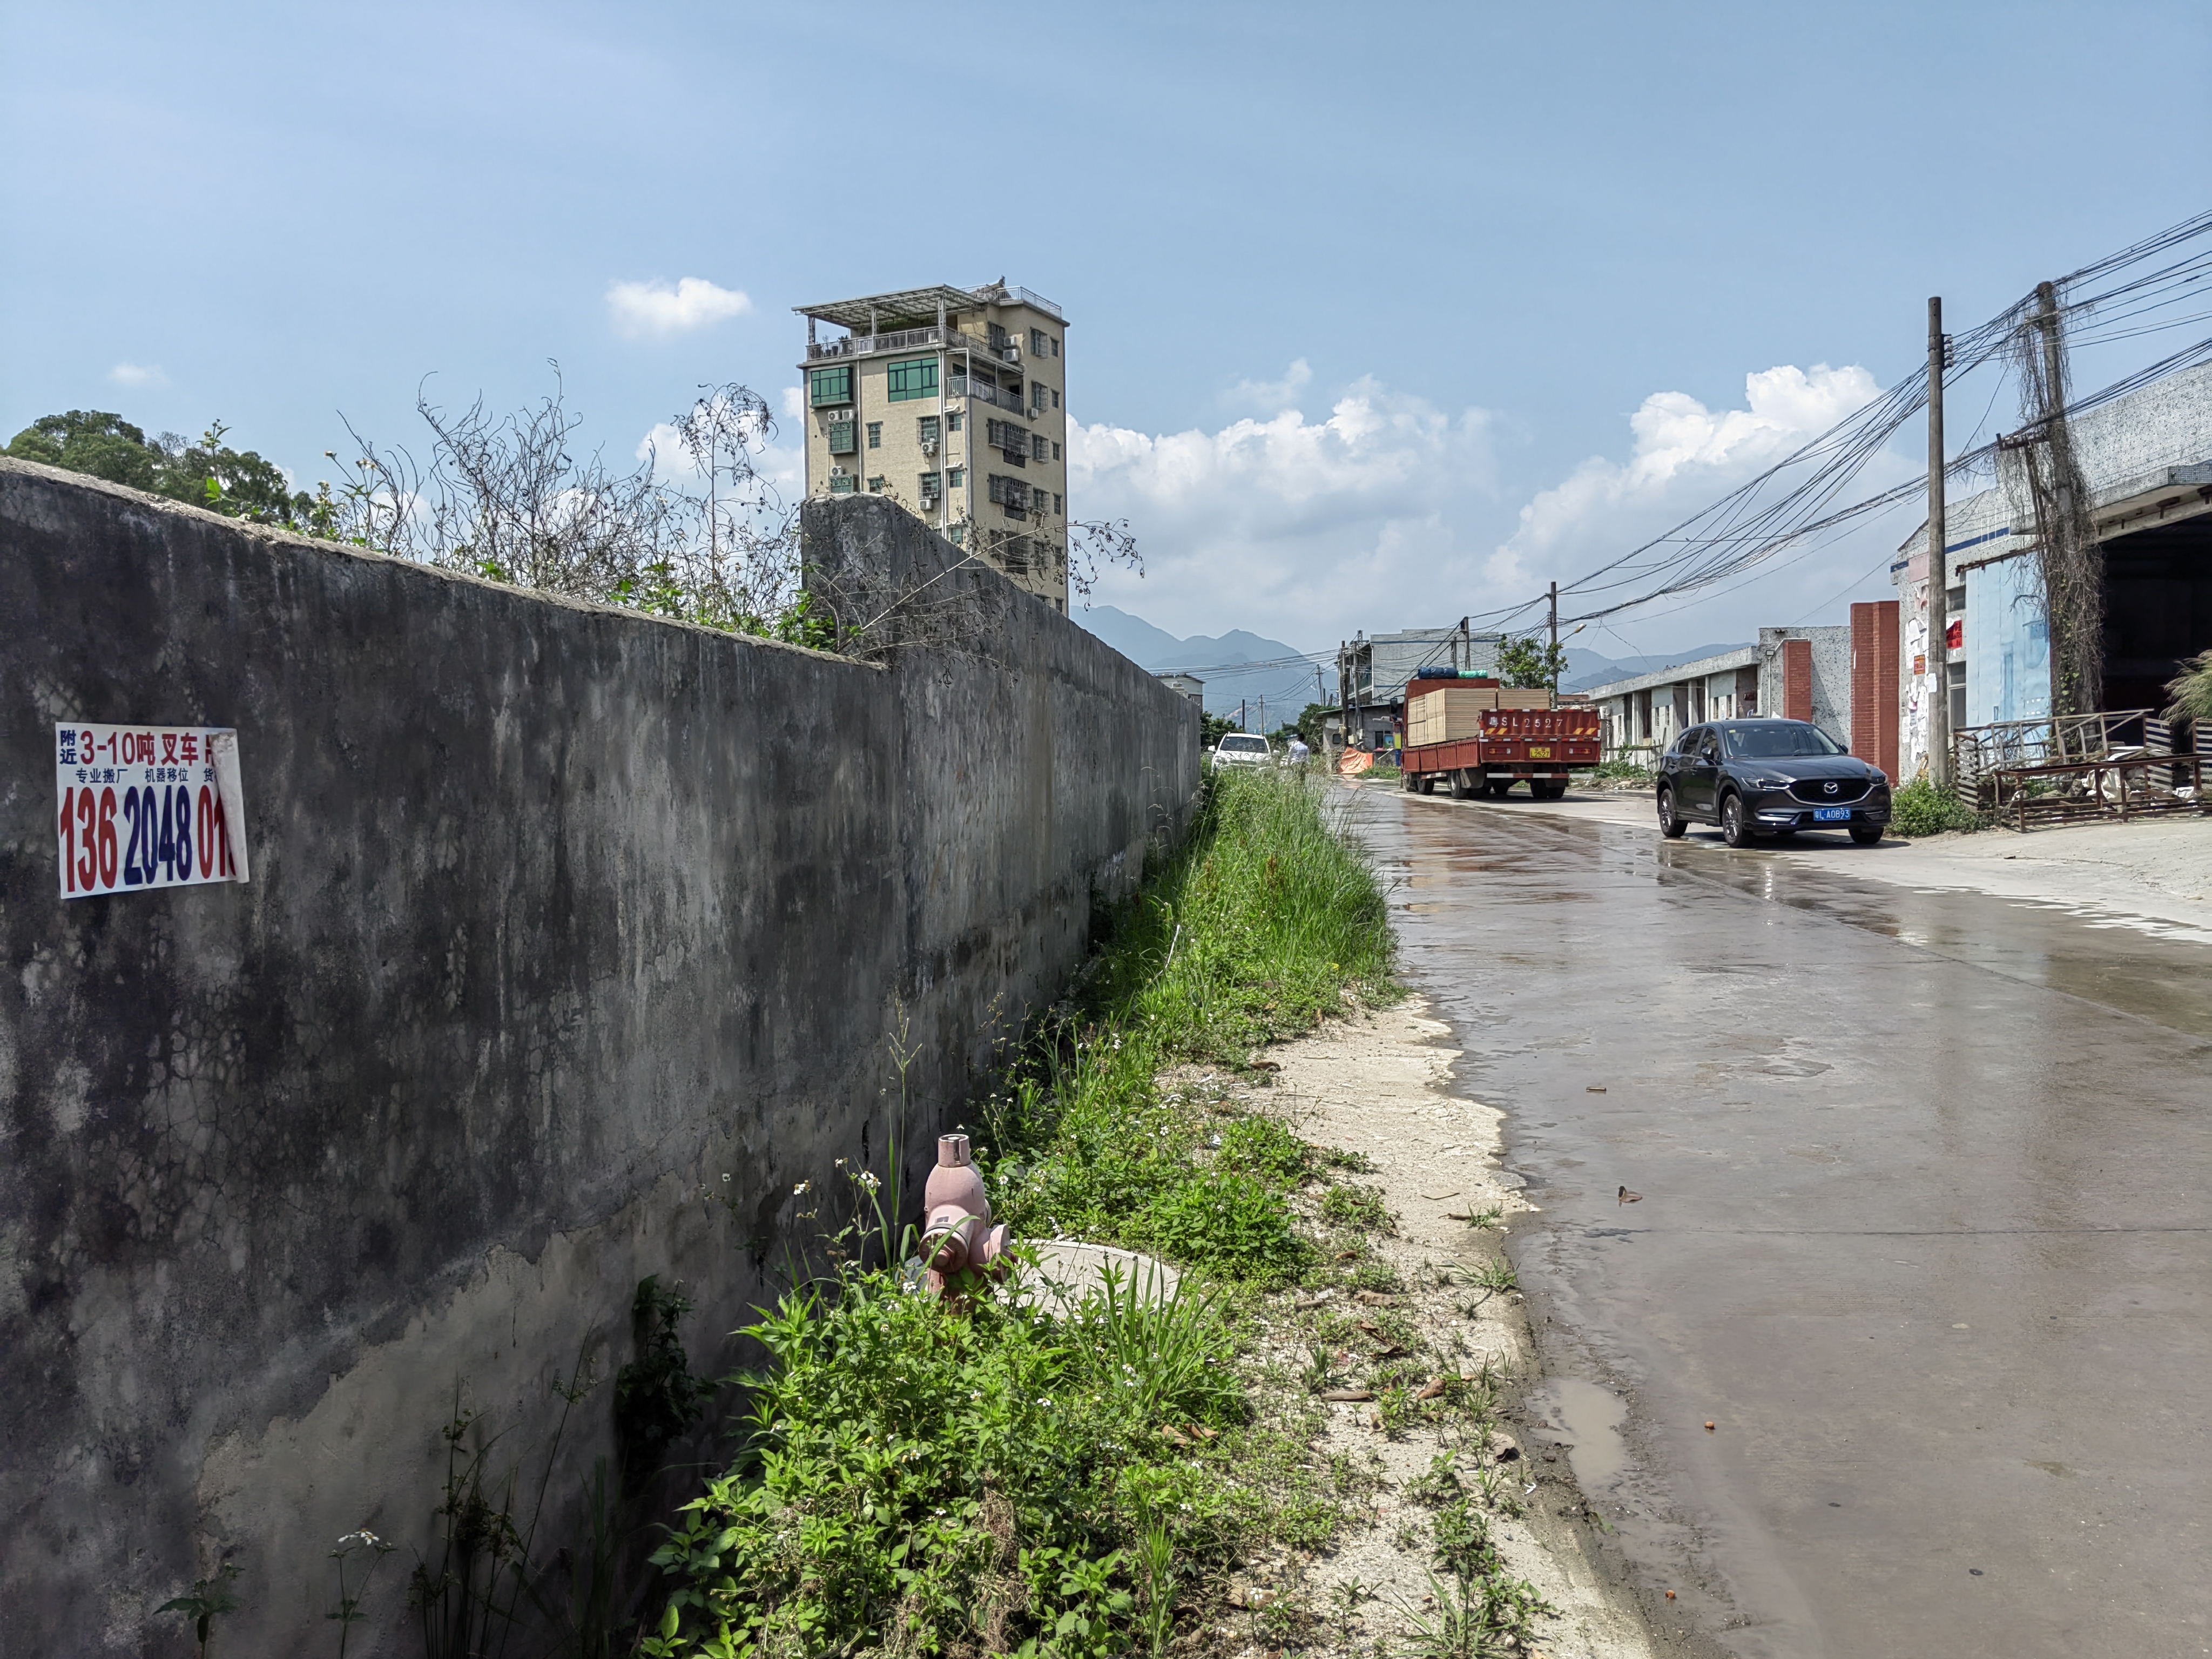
column 726, row 1177
column 799, row 1191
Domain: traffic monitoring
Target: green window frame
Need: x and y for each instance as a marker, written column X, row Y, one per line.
column 825, row 387
column 957, row 476
column 841, row 484
column 875, row 435
column 841, row 433
column 876, row 486
column 910, row 378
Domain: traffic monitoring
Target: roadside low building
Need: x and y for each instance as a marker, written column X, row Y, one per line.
column 2147, row 459
column 1187, row 685
column 1372, row 671
column 1799, row 673
column 1642, row 714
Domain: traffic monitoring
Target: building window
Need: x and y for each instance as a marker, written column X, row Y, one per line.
column 1055, row 452
column 1039, row 345
column 959, row 535
column 875, row 435
column 830, row 385
column 1056, row 400
column 1008, row 439
column 953, row 422
column 928, row 426
column 840, row 483
column 911, row 378
column 1010, row 493
column 1055, row 504
column 1040, row 445
column 841, row 438
column 956, row 477
column 932, row 487
column 875, row 486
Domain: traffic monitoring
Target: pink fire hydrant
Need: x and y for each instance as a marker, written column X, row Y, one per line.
column 957, row 1233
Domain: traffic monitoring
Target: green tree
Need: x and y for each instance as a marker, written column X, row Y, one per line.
column 209, row 473
column 1527, row 661
column 1211, row 728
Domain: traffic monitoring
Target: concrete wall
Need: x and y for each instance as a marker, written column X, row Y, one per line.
column 576, row 940
column 1831, row 675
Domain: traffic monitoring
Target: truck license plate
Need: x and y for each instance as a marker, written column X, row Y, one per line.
column 1832, row 815
column 1535, row 753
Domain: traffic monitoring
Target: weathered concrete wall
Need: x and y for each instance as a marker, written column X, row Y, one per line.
column 1832, row 676
column 575, row 941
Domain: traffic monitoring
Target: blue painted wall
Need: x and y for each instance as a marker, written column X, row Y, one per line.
column 2008, row 641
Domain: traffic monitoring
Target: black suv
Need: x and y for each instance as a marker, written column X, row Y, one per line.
column 1769, row 777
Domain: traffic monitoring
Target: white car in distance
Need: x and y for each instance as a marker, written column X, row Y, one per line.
column 1242, row 749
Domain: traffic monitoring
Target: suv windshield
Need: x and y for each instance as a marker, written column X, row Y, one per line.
column 1782, row 738
column 1245, row 745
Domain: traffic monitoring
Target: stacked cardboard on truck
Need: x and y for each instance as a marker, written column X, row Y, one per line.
column 1448, row 715
column 1453, row 714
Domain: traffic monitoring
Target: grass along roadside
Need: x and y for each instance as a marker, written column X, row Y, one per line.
column 991, row 1473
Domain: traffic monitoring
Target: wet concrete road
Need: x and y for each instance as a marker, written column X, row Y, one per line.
column 1925, row 1232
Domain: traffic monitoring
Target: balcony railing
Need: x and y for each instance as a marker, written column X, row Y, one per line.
column 863, row 345
column 909, row 339
column 959, row 385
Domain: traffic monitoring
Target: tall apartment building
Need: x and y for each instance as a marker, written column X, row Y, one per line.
column 948, row 400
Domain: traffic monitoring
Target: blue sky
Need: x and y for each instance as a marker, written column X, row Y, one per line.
column 1377, row 314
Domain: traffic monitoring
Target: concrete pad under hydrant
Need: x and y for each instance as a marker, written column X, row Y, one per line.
column 1068, row 1270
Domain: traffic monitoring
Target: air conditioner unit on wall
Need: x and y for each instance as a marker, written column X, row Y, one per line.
column 929, row 446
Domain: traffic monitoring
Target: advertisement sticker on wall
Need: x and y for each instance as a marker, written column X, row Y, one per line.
column 145, row 806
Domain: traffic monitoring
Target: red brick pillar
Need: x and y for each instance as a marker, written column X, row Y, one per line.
column 1874, row 683
column 1798, row 679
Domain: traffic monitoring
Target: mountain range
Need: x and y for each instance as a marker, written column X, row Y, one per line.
column 1289, row 687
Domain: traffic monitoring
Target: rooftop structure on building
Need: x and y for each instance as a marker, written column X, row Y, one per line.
column 2147, row 459
column 952, row 402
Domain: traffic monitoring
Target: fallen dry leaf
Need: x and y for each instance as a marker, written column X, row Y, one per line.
column 1347, row 1393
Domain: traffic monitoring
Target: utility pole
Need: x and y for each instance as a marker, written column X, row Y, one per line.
column 1554, row 660
column 1939, row 569
column 1241, row 725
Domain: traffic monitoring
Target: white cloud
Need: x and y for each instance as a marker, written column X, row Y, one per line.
column 1683, row 456
column 1388, row 512
column 794, row 405
column 1268, row 524
column 1274, row 395
column 137, row 374
column 657, row 309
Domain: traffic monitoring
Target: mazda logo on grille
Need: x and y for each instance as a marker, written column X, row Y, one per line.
column 1829, row 787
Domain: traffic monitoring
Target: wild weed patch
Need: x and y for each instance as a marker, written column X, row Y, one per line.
column 990, row 1473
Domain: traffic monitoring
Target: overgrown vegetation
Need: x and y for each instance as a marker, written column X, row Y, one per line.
column 691, row 531
column 1921, row 809
column 987, row 1473
column 209, row 473
column 2191, row 691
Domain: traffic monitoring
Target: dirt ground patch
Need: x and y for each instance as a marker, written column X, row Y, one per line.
column 1377, row 1087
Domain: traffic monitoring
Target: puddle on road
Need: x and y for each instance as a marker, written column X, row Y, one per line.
column 1587, row 1419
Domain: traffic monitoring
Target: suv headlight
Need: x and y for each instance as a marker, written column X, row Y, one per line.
column 1767, row 783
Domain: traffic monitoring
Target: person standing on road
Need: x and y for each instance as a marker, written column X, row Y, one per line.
column 1299, row 753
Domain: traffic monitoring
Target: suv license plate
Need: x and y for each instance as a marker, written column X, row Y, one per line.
column 1535, row 753
column 1832, row 815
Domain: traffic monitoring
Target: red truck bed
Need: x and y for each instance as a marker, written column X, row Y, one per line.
column 1537, row 745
